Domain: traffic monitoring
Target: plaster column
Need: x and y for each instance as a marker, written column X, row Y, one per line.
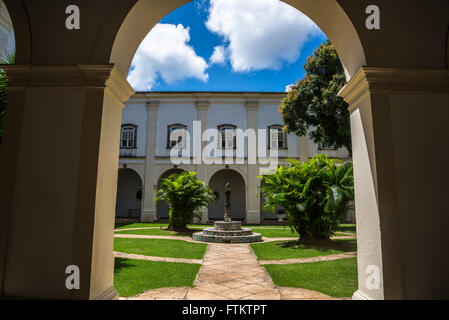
column 202, row 107
column 304, row 151
column 253, row 210
column 401, row 209
column 57, row 207
column 149, row 205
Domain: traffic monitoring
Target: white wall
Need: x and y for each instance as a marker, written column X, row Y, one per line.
column 268, row 115
column 221, row 111
column 136, row 114
column 173, row 113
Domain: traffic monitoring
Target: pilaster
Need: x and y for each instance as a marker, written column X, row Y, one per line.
column 253, row 209
column 149, row 206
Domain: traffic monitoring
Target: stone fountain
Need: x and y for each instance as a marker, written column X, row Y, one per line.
column 227, row 231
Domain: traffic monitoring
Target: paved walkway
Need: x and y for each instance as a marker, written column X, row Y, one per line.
column 231, row 272
column 152, row 258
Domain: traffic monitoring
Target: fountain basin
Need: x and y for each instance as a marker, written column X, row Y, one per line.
column 227, row 232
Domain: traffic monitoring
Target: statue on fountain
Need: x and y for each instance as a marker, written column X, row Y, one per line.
column 227, row 231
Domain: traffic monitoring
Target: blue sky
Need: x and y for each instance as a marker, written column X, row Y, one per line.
column 259, row 45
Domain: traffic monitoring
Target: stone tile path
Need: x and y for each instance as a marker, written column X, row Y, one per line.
column 151, row 258
column 231, row 272
column 314, row 259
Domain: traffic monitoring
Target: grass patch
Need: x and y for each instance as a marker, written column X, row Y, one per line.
column 158, row 232
column 132, row 277
column 277, row 233
column 161, row 248
column 139, row 225
column 336, row 278
column 280, row 250
column 347, row 228
column 135, row 225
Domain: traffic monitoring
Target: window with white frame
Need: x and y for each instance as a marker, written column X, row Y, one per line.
column 176, row 136
column 227, row 136
column 277, row 138
column 128, row 136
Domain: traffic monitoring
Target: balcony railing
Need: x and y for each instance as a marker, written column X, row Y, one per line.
column 128, row 153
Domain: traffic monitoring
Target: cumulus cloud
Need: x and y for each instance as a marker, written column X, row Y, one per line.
column 260, row 34
column 165, row 53
column 219, row 55
column 289, row 87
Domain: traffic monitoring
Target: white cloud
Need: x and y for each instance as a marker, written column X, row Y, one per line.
column 260, row 34
column 219, row 55
column 289, row 87
column 165, row 52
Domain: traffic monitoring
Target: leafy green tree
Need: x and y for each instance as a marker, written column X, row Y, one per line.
column 314, row 193
column 185, row 195
column 8, row 59
column 313, row 103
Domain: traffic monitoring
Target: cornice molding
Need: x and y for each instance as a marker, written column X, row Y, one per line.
column 119, row 86
column 153, row 105
column 369, row 80
column 69, row 78
column 209, row 96
column 252, row 105
column 202, row 104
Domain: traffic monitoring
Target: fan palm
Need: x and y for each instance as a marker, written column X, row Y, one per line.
column 185, row 195
column 314, row 193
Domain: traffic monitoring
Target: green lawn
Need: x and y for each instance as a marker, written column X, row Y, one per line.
column 132, row 277
column 161, row 248
column 157, row 232
column 136, row 225
column 279, row 250
column 347, row 228
column 336, row 278
column 269, row 232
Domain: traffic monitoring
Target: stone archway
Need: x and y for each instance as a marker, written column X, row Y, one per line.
column 238, row 195
column 129, row 194
column 398, row 92
column 162, row 206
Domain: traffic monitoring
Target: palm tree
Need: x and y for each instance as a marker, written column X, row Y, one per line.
column 314, row 193
column 185, row 195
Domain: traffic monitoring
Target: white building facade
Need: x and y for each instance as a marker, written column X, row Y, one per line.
column 151, row 119
column 7, row 41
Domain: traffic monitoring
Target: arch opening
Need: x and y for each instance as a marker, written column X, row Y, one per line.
column 129, row 195
column 238, row 195
column 145, row 14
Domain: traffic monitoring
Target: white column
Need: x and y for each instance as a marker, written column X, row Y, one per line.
column 202, row 109
column 149, row 205
column 304, row 148
column 253, row 213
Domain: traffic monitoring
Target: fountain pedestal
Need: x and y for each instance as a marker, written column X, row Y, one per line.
column 227, row 232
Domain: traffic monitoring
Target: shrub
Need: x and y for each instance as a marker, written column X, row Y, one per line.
column 185, row 195
column 314, row 193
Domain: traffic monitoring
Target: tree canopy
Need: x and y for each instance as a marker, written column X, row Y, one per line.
column 313, row 104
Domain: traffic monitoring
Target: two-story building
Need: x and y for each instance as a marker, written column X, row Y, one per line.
column 158, row 125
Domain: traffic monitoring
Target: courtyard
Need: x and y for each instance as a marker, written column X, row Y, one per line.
column 154, row 264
